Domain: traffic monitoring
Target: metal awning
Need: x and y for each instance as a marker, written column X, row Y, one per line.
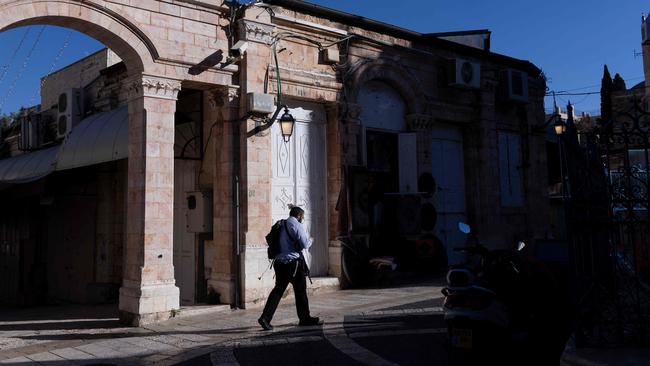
column 28, row 167
column 100, row 138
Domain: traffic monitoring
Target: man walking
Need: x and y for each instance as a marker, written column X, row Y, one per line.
column 290, row 267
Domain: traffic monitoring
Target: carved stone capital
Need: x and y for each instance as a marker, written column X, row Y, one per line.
column 222, row 96
column 252, row 31
column 350, row 112
column 419, row 121
column 153, row 87
column 432, row 108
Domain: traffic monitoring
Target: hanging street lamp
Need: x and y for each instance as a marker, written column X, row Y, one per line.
column 286, row 124
column 559, row 126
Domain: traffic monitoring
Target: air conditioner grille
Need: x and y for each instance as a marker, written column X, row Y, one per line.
column 63, row 102
column 63, row 125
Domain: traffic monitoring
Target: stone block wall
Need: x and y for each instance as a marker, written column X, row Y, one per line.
column 76, row 75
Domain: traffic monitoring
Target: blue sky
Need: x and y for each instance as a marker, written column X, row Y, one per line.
column 569, row 40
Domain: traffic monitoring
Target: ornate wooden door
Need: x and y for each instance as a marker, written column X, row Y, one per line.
column 299, row 178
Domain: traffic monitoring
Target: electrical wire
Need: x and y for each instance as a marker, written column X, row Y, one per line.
column 22, row 69
column 6, row 67
column 65, row 45
column 277, row 73
column 286, row 35
column 568, row 91
column 581, row 100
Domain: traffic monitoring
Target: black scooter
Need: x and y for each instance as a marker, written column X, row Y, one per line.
column 497, row 309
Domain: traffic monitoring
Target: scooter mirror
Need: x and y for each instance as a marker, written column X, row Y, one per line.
column 520, row 246
column 464, row 228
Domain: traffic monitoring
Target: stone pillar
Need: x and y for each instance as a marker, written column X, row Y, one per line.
column 421, row 125
column 148, row 291
column 351, row 134
column 223, row 110
column 334, row 187
column 255, row 160
column 485, row 198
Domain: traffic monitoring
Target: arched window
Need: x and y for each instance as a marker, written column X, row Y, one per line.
column 382, row 107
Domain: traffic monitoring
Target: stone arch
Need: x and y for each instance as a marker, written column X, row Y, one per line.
column 114, row 30
column 381, row 106
column 392, row 73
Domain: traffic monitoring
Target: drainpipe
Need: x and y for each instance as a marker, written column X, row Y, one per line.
column 237, row 299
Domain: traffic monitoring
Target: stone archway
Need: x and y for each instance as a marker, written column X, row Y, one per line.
column 148, row 291
column 392, row 73
column 94, row 19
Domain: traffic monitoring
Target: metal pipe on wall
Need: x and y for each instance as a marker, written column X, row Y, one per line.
column 237, row 243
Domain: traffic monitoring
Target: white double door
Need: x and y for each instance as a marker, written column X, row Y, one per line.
column 299, row 178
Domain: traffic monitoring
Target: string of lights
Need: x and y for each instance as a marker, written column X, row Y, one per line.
column 7, row 66
column 19, row 75
column 65, row 45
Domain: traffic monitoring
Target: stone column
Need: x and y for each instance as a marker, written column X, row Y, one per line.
column 334, row 187
column 485, row 199
column 223, row 109
column 255, row 161
column 421, row 125
column 350, row 134
column 148, row 292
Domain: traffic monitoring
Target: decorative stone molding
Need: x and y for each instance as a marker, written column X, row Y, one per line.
column 222, row 96
column 252, row 31
column 152, row 86
column 387, row 70
column 350, row 112
column 432, row 108
column 419, row 121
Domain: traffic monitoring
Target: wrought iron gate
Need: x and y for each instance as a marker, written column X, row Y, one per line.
column 608, row 174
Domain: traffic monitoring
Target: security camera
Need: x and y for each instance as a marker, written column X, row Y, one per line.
column 238, row 49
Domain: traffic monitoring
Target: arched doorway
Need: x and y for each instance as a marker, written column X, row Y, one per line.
column 148, row 290
column 390, row 158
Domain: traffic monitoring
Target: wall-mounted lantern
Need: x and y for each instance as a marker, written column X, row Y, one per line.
column 286, row 124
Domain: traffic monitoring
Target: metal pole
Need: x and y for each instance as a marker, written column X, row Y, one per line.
column 572, row 271
column 237, row 245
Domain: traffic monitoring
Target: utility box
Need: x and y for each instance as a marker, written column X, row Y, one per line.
column 330, row 56
column 261, row 103
column 199, row 212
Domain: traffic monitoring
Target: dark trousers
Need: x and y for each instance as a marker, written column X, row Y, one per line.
column 284, row 274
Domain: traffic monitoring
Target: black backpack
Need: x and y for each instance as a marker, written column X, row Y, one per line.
column 273, row 239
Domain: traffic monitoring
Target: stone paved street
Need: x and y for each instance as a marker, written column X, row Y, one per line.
column 387, row 326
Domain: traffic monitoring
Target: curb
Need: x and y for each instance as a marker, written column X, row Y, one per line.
column 574, row 360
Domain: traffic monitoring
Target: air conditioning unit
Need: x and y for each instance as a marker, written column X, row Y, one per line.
column 49, row 126
column 31, row 135
column 464, row 73
column 70, row 111
column 514, row 85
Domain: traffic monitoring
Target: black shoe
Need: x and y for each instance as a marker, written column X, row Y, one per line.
column 310, row 321
column 265, row 324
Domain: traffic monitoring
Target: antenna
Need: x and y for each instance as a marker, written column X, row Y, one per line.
column 637, row 54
